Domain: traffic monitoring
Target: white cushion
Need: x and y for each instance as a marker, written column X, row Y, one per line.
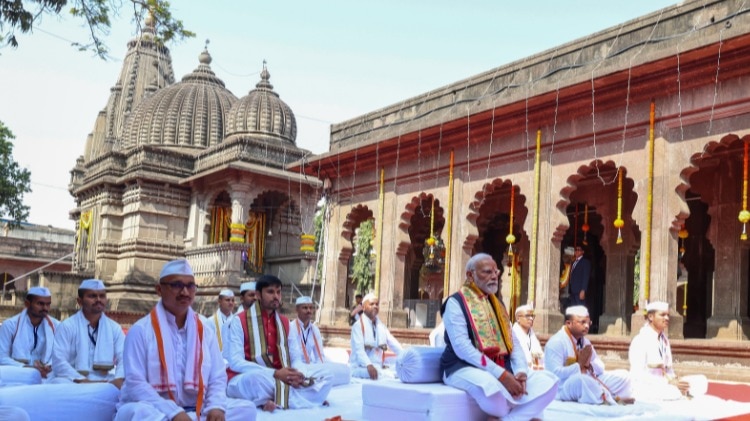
column 393, row 400
column 420, row 364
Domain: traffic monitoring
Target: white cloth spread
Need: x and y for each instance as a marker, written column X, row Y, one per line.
column 81, row 353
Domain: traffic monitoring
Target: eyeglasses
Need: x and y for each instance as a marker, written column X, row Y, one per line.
column 177, row 287
column 488, row 272
column 579, row 249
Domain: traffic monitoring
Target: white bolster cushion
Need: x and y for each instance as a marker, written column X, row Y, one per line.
column 420, row 364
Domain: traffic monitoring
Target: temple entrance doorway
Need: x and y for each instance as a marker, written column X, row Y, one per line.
column 496, row 221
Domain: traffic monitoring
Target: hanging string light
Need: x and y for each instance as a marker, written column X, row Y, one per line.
column 585, row 227
column 619, row 223
column 510, row 238
column 744, row 216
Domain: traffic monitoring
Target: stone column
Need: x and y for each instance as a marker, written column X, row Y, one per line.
column 240, row 195
column 552, row 225
column 664, row 248
column 391, row 282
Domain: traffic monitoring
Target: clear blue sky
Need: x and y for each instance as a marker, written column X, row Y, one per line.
column 329, row 60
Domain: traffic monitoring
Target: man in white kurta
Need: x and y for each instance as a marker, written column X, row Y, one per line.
column 571, row 357
column 523, row 328
column 306, row 345
column 89, row 345
column 369, row 341
column 219, row 321
column 173, row 367
column 481, row 356
column 248, row 296
column 26, row 341
column 257, row 352
column 650, row 359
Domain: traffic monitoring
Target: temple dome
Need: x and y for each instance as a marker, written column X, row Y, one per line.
column 261, row 112
column 188, row 114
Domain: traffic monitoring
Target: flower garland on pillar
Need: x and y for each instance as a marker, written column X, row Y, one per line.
column 447, row 229
column 619, row 222
column 744, row 215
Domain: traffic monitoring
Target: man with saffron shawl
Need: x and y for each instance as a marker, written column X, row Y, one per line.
column 173, row 367
column 257, row 349
column 369, row 341
column 481, row 357
column 306, row 344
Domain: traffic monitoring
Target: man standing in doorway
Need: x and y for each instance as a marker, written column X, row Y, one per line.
column 579, row 278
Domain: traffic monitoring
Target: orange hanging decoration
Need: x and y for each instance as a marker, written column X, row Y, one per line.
column 619, row 223
column 585, row 227
column 682, row 234
column 575, row 227
column 510, row 238
column 744, row 216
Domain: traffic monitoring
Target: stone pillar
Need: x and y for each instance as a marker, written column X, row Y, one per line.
column 728, row 318
column 391, row 282
column 616, row 317
column 549, row 319
column 664, row 247
column 239, row 195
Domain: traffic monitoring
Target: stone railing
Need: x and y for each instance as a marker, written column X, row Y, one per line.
column 217, row 262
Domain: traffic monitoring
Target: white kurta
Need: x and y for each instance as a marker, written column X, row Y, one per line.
column 140, row 401
column 75, row 354
column 256, row 382
column 576, row 386
column 480, row 380
column 651, row 368
column 308, row 339
column 530, row 345
column 367, row 340
column 17, row 343
column 218, row 322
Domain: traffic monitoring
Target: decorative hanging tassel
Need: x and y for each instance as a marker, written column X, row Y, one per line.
column 510, row 238
column 619, row 222
column 585, row 227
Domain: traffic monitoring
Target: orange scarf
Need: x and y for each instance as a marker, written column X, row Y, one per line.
column 163, row 359
column 304, row 345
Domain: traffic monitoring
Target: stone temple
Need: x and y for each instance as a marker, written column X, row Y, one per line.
column 185, row 168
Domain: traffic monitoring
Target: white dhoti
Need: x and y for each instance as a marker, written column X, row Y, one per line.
column 260, row 387
column 383, row 373
column 15, row 376
column 584, row 388
column 237, row 410
column 494, row 399
column 59, row 402
column 337, row 372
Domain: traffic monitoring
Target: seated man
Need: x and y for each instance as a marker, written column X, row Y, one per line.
column 173, row 367
column 523, row 329
column 220, row 320
column 369, row 341
column 650, row 358
column 480, row 349
column 260, row 367
column 88, row 345
column 26, row 341
column 306, row 345
column 248, row 296
column 570, row 355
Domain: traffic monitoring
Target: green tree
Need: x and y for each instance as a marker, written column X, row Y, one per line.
column 362, row 273
column 14, row 181
column 23, row 15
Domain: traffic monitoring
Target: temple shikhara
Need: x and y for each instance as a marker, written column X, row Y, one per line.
column 631, row 143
